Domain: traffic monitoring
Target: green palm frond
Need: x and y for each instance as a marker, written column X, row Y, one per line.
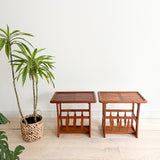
column 2, row 43
column 15, row 37
column 2, row 30
column 33, row 65
column 15, row 31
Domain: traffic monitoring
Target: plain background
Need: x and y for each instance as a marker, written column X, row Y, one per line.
column 98, row 45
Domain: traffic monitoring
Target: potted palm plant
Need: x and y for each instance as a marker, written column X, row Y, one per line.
column 35, row 66
column 9, row 40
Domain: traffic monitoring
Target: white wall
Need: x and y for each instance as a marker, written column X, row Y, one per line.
column 98, row 45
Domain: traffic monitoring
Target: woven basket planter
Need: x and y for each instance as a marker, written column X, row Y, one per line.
column 32, row 132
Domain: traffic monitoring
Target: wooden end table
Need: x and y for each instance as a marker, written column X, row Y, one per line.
column 120, row 120
column 73, row 97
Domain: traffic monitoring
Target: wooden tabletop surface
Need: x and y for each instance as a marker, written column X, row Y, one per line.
column 120, row 97
column 74, row 97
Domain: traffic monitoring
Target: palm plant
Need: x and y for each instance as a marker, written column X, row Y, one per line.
column 8, row 40
column 35, row 67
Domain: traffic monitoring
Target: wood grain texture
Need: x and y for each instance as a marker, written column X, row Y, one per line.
column 74, row 97
column 120, row 97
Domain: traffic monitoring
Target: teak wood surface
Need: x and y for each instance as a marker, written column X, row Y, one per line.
column 73, row 97
column 118, row 123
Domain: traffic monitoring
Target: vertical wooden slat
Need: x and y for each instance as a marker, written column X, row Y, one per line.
column 110, row 119
column 137, row 119
column 58, row 128
column 117, row 119
column 112, row 124
column 81, row 120
column 125, row 119
column 74, row 122
column 67, row 121
column 128, row 124
column 120, row 124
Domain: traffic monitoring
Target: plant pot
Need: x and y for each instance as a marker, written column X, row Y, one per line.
column 32, row 132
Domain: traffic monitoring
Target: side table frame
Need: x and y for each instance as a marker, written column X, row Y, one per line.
column 120, row 120
column 128, row 121
column 74, row 128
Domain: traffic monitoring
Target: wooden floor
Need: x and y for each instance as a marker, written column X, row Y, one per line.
column 81, row 147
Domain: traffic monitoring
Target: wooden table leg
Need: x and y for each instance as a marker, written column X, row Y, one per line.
column 137, row 120
column 60, row 114
column 132, row 115
column 58, row 128
column 89, row 120
column 104, row 120
column 102, row 116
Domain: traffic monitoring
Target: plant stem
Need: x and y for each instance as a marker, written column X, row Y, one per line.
column 36, row 94
column 34, row 99
column 14, row 85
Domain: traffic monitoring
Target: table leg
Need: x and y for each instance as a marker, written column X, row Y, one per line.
column 132, row 114
column 102, row 116
column 58, row 128
column 60, row 114
column 104, row 120
column 89, row 120
column 137, row 120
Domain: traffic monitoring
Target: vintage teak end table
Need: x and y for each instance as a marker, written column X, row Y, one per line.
column 120, row 120
column 72, row 114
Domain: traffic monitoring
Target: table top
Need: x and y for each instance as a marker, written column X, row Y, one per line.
column 120, row 97
column 74, row 97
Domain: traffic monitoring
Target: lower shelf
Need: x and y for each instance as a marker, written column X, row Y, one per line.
column 117, row 129
column 76, row 129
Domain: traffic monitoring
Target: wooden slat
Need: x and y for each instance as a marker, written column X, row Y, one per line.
column 71, row 129
column 125, row 118
column 67, row 121
column 120, row 124
column 128, row 124
column 72, row 117
column 119, row 110
column 115, row 117
column 118, row 129
column 112, row 124
column 74, row 121
column 81, row 120
column 110, row 118
column 75, row 110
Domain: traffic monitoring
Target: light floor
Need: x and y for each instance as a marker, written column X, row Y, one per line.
column 81, row 147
